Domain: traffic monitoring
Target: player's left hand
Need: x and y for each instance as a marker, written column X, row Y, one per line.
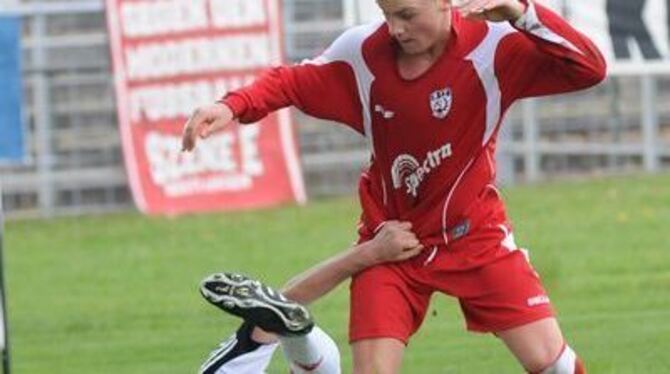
column 205, row 121
column 394, row 242
column 492, row 10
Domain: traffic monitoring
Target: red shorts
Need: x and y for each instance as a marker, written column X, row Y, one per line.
column 495, row 284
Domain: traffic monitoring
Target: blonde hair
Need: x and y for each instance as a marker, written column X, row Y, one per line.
column 382, row 2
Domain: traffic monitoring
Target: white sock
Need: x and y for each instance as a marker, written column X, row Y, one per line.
column 314, row 353
column 566, row 363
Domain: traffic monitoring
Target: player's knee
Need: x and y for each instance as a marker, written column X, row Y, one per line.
column 363, row 368
column 540, row 360
column 384, row 366
column 378, row 356
column 363, row 360
column 376, row 365
column 566, row 362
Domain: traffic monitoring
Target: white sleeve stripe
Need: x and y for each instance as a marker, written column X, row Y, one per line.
column 530, row 22
column 483, row 59
column 320, row 60
column 349, row 48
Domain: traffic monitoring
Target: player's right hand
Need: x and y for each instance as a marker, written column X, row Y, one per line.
column 205, row 121
column 394, row 242
column 492, row 10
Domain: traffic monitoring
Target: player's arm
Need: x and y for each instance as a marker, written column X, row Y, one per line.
column 393, row 242
column 325, row 88
column 547, row 55
column 561, row 58
column 325, row 91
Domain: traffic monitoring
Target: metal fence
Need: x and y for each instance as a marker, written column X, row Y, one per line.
column 75, row 164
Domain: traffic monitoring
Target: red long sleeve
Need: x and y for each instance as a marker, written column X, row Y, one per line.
column 325, row 91
column 547, row 56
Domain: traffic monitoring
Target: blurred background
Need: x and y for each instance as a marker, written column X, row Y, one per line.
column 95, row 286
column 74, row 163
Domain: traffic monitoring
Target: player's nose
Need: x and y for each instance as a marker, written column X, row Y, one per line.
column 396, row 29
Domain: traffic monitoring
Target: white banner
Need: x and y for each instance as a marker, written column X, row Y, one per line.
column 634, row 35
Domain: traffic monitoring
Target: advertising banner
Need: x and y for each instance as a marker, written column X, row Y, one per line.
column 171, row 56
column 634, row 35
column 11, row 126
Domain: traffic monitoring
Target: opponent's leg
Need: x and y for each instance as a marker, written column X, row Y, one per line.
column 308, row 349
column 378, row 356
column 540, row 348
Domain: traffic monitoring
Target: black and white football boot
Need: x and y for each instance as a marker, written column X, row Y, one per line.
column 257, row 304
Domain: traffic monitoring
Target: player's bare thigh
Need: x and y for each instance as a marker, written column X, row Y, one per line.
column 535, row 345
column 378, row 356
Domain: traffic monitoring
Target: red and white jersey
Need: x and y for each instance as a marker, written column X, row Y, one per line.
column 432, row 138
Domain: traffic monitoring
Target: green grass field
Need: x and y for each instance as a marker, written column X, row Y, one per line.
column 118, row 294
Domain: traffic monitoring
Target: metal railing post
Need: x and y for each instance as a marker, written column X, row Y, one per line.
column 506, row 175
column 42, row 116
column 649, row 123
column 4, row 333
column 349, row 12
column 530, row 139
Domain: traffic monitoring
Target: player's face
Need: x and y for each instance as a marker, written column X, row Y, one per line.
column 417, row 25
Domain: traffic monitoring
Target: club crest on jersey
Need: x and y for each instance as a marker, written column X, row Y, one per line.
column 440, row 102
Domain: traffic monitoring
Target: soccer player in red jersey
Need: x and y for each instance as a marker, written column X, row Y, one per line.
column 428, row 90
